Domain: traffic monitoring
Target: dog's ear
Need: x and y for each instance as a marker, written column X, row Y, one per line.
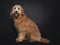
column 22, row 11
column 11, row 12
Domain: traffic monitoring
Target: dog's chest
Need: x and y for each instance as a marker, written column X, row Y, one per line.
column 20, row 25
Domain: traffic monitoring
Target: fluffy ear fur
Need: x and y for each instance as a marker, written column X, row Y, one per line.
column 22, row 11
column 11, row 12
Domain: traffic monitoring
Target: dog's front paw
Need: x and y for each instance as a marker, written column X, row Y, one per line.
column 18, row 40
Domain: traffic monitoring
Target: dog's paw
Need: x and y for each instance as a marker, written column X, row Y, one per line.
column 18, row 40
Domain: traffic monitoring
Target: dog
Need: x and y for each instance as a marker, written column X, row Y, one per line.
column 26, row 27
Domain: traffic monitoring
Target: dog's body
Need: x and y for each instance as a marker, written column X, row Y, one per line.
column 26, row 26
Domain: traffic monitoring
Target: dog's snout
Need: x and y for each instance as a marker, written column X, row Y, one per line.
column 15, row 11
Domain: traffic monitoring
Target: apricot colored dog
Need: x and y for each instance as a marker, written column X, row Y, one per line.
column 26, row 27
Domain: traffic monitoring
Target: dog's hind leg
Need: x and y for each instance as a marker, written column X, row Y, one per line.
column 35, row 36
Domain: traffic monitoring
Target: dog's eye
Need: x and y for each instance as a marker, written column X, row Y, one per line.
column 18, row 8
column 15, row 8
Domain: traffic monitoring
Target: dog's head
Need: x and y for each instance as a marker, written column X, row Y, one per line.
column 17, row 11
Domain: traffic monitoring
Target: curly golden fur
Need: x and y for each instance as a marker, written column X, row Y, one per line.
column 27, row 28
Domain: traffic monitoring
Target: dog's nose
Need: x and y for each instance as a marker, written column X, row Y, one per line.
column 15, row 11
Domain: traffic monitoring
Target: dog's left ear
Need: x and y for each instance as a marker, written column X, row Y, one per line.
column 22, row 11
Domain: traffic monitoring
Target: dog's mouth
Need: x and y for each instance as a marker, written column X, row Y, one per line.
column 15, row 15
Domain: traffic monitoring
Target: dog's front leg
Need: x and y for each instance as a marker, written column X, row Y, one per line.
column 21, row 37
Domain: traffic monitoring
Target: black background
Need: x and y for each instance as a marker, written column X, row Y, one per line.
column 43, row 12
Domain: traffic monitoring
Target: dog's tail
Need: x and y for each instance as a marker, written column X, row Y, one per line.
column 45, row 40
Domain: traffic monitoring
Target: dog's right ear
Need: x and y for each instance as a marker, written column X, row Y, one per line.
column 11, row 12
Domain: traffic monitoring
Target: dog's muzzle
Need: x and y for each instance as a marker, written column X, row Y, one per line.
column 15, row 14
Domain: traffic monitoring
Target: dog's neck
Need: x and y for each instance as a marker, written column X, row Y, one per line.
column 20, row 18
